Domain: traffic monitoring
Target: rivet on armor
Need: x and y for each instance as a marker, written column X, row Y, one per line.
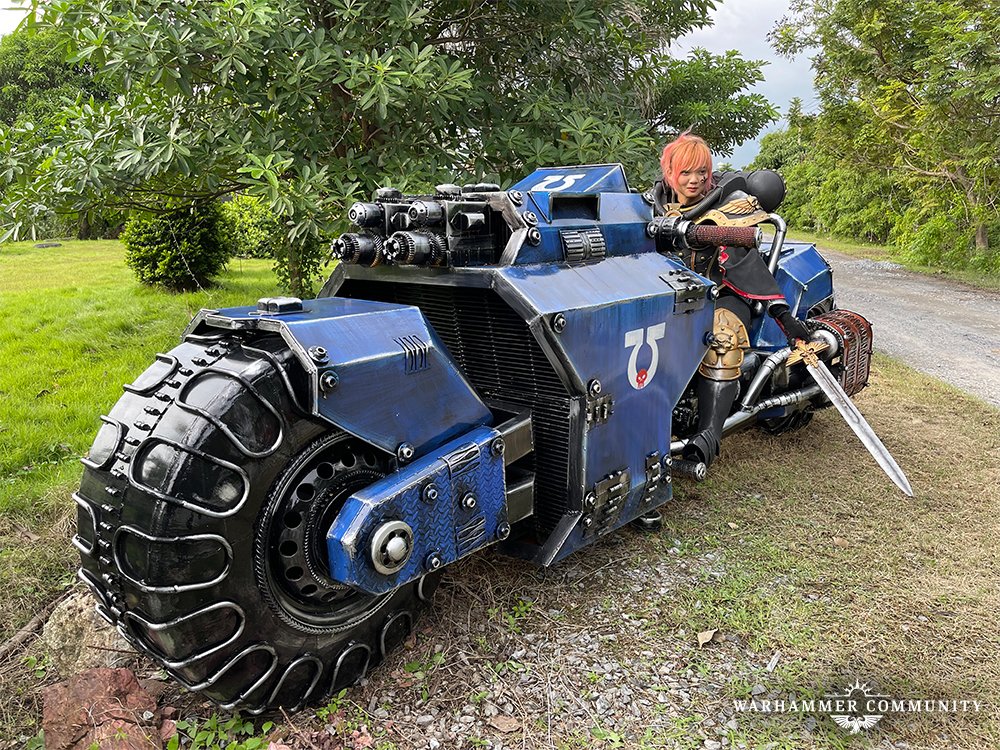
column 530, row 218
column 317, row 353
column 503, row 531
column 497, row 447
column 329, row 381
column 516, row 197
column 587, row 521
column 433, row 561
column 594, row 387
column 404, row 452
column 469, row 501
column 590, row 501
column 559, row 323
column 430, row 493
column 534, row 236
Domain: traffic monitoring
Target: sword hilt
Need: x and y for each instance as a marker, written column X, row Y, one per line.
column 806, row 351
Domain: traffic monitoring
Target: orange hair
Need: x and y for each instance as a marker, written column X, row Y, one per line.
column 686, row 152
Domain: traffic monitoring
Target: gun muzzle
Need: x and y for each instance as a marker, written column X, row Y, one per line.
column 426, row 213
column 366, row 214
column 416, row 248
column 361, row 249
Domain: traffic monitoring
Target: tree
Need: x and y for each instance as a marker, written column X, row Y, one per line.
column 912, row 87
column 310, row 104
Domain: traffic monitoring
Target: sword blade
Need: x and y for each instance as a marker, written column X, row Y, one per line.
column 856, row 421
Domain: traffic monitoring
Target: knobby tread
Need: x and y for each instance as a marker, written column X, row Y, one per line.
column 175, row 560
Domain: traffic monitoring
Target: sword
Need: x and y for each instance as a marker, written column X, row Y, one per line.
column 806, row 352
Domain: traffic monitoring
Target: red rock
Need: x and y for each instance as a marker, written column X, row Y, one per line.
column 103, row 706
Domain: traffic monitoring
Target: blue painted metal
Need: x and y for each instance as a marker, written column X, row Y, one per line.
column 622, row 220
column 395, row 381
column 805, row 278
column 441, row 527
column 590, row 178
column 622, row 329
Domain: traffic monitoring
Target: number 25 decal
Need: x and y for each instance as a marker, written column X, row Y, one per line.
column 552, row 182
column 639, row 379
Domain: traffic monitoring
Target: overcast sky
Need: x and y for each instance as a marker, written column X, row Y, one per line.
column 740, row 25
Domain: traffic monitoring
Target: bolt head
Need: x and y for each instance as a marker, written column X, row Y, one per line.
column 469, row 501
column 587, row 521
column 713, row 292
column 530, row 218
column 329, row 381
column 433, row 561
column 559, row 323
column 503, row 531
column 590, row 501
column 404, row 452
column 534, row 236
column 516, row 197
column 497, row 447
column 317, row 353
column 430, row 493
column 397, row 549
column 594, row 387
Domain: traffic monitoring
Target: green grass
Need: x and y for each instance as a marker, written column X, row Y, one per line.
column 977, row 279
column 78, row 326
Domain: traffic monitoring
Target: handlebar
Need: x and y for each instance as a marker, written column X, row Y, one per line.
column 675, row 232
column 701, row 234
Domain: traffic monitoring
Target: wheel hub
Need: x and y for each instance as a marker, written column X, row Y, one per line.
column 292, row 557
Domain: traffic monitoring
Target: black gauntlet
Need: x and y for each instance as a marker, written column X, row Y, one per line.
column 792, row 327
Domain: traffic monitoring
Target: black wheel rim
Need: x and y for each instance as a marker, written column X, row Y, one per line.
column 290, row 553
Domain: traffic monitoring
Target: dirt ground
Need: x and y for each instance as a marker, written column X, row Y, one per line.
column 938, row 326
column 811, row 568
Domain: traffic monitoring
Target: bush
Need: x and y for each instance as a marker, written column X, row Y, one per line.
column 177, row 249
column 250, row 229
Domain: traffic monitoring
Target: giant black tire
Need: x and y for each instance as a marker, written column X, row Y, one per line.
column 202, row 511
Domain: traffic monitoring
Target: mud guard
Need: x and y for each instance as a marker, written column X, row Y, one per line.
column 374, row 369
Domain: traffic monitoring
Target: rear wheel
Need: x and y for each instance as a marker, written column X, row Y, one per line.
column 202, row 517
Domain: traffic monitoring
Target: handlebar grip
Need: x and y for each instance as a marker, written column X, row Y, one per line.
column 702, row 234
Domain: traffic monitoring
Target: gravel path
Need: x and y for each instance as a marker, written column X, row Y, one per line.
column 940, row 327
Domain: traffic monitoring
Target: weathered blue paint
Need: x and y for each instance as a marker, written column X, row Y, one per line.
column 591, row 178
column 395, row 382
column 442, row 527
column 805, row 278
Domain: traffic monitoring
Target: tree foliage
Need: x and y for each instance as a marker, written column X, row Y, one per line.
column 910, row 97
column 310, row 104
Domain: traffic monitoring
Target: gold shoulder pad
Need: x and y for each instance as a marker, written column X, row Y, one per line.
column 742, row 211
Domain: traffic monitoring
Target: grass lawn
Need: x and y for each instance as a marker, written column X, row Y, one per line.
column 78, row 326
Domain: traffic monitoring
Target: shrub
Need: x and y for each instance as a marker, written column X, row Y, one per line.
column 177, row 249
column 250, row 229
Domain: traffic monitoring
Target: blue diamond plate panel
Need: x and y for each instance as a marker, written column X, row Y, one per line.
column 444, row 527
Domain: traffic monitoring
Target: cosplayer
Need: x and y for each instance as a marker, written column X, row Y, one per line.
column 741, row 273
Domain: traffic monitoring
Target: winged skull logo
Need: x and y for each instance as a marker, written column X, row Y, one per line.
column 857, row 696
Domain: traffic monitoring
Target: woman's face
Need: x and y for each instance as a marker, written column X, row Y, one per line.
column 691, row 183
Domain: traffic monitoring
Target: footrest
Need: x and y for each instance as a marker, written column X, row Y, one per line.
column 695, row 470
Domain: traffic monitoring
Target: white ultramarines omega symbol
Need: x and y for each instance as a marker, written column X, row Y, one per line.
column 556, row 182
column 639, row 379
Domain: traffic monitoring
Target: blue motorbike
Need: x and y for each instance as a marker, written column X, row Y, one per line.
column 271, row 504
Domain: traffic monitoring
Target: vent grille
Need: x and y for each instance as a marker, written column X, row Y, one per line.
column 503, row 361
